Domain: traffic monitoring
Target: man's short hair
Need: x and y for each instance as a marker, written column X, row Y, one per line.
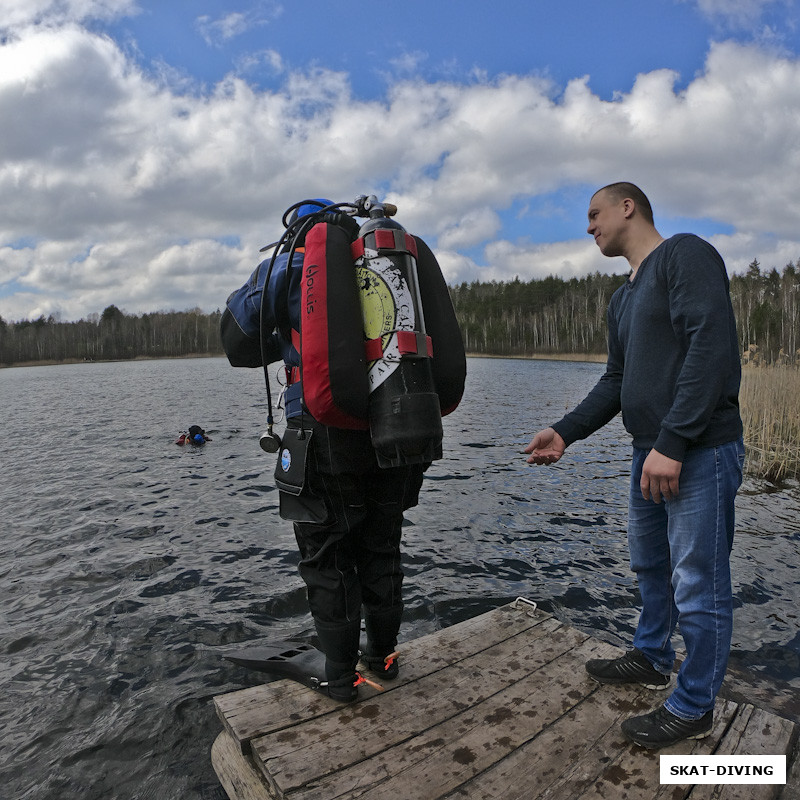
column 622, row 190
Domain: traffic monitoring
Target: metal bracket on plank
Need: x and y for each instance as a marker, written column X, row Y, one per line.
column 529, row 606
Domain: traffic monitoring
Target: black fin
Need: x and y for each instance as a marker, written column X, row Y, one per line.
column 298, row 661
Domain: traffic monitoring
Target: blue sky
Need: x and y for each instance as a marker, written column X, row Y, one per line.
column 449, row 40
column 152, row 146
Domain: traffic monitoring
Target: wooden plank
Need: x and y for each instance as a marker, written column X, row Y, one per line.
column 259, row 710
column 323, row 745
column 584, row 754
column 448, row 755
column 271, row 706
column 762, row 733
column 583, row 741
column 792, row 789
column 236, row 773
column 615, row 769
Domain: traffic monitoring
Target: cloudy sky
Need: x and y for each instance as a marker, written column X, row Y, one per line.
column 149, row 147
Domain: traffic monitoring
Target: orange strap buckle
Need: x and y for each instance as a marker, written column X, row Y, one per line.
column 389, row 660
column 361, row 679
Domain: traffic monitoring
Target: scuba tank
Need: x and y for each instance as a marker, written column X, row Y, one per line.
column 405, row 420
column 373, row 307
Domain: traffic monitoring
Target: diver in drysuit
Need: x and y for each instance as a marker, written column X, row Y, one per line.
column 348, row 517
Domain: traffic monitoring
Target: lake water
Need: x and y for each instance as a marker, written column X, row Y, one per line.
column 129, row 565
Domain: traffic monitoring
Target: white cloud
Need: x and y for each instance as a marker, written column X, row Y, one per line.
column 250, row 62
column 115, row 188
column 476, row 226
column 506, row 261
column 565, row 259
column 20, row 13
column 222, row 29
column 409, row 62
column 740, row 249
column 736, row 13
column 157, row 275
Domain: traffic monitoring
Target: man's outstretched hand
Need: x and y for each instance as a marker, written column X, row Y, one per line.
column 545, row 448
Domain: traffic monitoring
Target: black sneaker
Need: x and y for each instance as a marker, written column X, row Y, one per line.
column 661, row 728
column 633, row 667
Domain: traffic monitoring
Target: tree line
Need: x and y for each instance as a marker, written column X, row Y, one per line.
column 553, row 315
column 519, row 318
column 111, row 336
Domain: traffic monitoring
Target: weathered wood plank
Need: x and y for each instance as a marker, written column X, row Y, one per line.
column 761, row 734
column 338, row 741
column 537, row 766
column 575, row 752
column 236, row 773
column 765, row 731
column 451, row 753
column 792, row 789
column 272, row 706
column 259, row 710
column 615, row 769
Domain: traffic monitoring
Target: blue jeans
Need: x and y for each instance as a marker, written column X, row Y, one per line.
column 680, row 552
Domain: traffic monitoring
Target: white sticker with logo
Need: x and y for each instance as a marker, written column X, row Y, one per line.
column 387, row 306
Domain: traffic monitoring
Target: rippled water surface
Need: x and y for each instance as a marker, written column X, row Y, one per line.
column 128, row 565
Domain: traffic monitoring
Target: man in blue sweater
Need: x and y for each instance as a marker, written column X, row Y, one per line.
column 674, row 371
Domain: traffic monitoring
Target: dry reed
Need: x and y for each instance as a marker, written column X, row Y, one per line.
column 770, row 406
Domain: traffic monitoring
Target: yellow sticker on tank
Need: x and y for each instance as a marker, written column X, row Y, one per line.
column 377, row 303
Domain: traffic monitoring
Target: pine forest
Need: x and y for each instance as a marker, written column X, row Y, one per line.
column 550, row 316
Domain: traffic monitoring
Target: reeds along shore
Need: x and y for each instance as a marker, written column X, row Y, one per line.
column 770, row 407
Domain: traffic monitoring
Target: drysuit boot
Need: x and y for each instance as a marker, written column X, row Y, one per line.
column 382, row 627
column 339, row 642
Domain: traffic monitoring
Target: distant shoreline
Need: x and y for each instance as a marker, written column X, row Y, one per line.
column 51, row 363
column 595, row 358
column 584, row 357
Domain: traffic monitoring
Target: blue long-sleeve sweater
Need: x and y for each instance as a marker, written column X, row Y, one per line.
column 673, row 361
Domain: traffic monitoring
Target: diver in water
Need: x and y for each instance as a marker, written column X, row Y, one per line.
column 195, row 435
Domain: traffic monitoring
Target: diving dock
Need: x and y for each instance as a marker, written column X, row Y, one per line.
column 498, row 706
